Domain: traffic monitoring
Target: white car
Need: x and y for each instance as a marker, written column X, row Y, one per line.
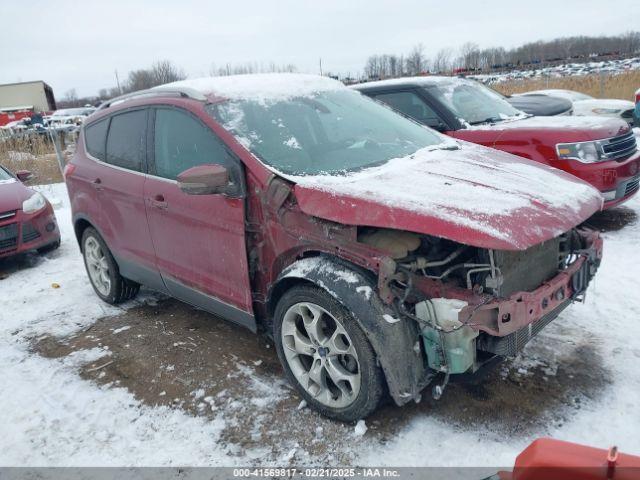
column 586, row 105
column 69, row 116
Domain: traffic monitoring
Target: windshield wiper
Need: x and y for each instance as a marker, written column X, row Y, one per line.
column 486, row 120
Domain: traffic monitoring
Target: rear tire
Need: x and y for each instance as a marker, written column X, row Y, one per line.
column 326, row 355
column 103, row 271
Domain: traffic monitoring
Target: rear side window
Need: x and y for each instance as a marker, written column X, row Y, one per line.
column 181, row 142
column 95, row 137
column 126, row 139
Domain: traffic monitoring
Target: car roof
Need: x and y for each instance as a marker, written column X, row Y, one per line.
column 408, row 82
column 259, row 87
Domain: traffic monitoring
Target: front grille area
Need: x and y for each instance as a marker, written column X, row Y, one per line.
column 9, row 237
column 29, row 232
column 524, row 271
column 621, row 147
column 632, row 186
column 511, row 344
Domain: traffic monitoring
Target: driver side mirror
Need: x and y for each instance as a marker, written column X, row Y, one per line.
column 24, row 175
column 204, row 180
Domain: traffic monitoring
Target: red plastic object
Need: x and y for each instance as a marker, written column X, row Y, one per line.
column 548, row 459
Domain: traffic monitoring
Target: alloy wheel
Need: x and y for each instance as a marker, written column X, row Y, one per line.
column 321, row 355
column 97, row 265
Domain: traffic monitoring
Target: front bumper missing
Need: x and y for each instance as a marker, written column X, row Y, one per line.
column 502, row 317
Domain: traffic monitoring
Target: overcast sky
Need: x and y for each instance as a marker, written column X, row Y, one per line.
column 79, row 44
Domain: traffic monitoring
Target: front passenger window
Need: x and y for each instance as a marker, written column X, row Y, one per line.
column 412, row 106
column 181, row 142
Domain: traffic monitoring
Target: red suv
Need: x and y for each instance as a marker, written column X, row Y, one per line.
column 380, row 256
column 598, row 150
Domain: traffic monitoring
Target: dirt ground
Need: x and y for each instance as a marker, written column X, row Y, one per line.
column 168, row 353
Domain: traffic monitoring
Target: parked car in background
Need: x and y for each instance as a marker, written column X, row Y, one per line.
column 586, row 105
column 601, row 151
column 541, row 105
column 27, row 221
column 379, row 255
column 68, row 118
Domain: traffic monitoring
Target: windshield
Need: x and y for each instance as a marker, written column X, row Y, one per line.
column 329, row 132
column 4, row 175
column 472, row 102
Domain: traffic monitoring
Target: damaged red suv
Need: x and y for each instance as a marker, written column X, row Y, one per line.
column 380, row 256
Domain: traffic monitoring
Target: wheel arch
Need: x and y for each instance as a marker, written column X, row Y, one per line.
column 393, row 341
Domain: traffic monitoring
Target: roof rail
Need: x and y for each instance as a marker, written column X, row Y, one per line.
column 161, row 90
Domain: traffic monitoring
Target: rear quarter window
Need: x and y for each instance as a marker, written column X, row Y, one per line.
column 126, row 140
column 95, row 137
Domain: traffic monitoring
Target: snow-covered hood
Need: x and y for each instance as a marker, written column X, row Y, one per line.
column 587, row 107
column 12, row 194
column 475, row 196
column 558, row 129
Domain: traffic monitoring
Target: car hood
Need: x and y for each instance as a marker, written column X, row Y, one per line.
column 567, row 128
column 588, row 105
column 541, row 105
column 12, row 194
column 473, row 195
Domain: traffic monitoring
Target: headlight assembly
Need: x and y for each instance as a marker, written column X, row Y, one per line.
column 34, row 203
column 586, row 152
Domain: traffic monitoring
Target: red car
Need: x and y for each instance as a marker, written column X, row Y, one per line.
column 27, row 221
column 380, row 256
column 598, row 150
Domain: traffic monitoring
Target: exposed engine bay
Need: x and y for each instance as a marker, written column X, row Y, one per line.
column 473, row 303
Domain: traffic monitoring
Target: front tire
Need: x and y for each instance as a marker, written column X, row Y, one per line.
column 326, row 355
column 103, row 270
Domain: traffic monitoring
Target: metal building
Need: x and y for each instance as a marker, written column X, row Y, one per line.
column 36, row 96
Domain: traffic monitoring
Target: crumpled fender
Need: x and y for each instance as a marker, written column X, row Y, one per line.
column 395, row 341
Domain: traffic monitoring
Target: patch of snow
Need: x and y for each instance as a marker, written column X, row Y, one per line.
column 121, row 329
column 293, row 143
column 360, row 428
column 390, row 319
column 365, row 290
column 260, row 87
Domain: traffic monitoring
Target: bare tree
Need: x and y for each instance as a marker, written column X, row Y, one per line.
column 442, row 60
column 416, row 62
column 71, row 97
column 166, row 72
column 470, row 55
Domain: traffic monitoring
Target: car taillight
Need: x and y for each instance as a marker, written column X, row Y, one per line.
column 638, row 96
column 68, row 170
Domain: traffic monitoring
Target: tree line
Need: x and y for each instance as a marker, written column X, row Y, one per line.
column 162, row 72
column 471, row 57
column 447, row 60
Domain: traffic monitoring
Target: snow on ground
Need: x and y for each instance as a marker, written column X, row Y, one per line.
column 54, row 417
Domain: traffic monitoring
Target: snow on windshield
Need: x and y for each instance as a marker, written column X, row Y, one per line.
column 330, row 131
column 473, row 102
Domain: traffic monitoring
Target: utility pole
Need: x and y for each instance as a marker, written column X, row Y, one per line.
column 320, row 66
column 118, row 82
